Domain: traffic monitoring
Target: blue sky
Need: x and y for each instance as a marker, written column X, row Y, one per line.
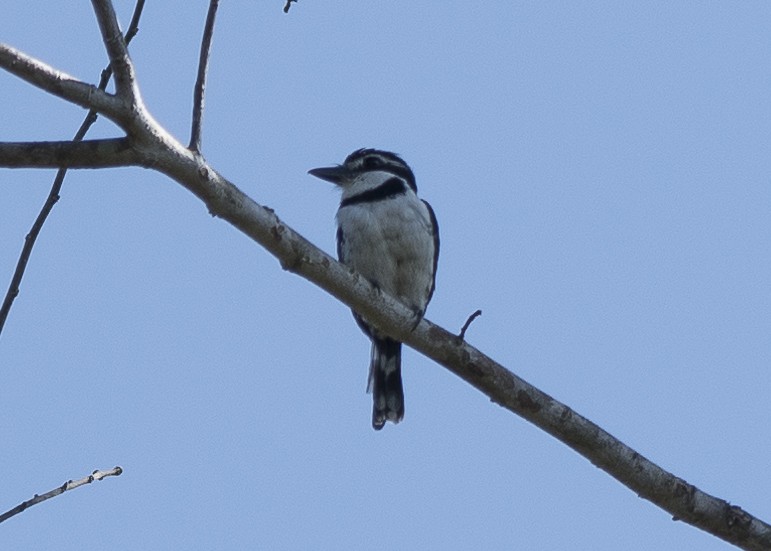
column 601, row 176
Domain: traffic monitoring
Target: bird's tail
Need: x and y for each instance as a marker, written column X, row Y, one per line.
column 385, row 382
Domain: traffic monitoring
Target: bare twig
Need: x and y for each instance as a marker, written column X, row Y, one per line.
column 53, row 195
column 288, row 5
column 69, row 485
column 134, row 24
column 200, row 83
column 471, row 318
column 107, row 153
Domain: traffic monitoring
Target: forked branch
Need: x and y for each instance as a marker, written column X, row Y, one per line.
column 59, row 156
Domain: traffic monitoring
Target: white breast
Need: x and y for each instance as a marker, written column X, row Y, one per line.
column 391, row 243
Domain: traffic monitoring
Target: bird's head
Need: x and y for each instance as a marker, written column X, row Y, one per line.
column 367, row 163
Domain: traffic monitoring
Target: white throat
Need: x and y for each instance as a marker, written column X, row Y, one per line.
column 365, row 182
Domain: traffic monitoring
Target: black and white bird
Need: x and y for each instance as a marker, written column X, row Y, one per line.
column 391, row 237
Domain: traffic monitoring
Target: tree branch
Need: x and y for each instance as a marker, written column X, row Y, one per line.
column 105, row 153
column 117, row 51
column 53, row 195
column 471, row 318
column 682, row 500
column 200, row 83
column 60, row 84
column 69, row 485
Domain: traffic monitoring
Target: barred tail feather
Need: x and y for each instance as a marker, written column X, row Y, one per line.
column 385, row 382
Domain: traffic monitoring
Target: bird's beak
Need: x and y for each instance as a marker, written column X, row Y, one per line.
column 334, row 174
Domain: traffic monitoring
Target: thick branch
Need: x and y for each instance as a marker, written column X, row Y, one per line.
column 84, row 154
column 682, row 500
column 60, row 84
column 69, row 485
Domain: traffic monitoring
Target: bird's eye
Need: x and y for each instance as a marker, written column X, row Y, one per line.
column 371, row 162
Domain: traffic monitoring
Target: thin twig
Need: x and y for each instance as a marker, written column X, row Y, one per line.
column 53, row 195
column 472, row 317
column 69, row 485
column 200, row 83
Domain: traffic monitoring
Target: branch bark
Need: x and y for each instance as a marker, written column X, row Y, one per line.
column 53, row 194
column 69, row 154
column 154, row 147
column 69, row 485
column 60, row 84
column 117, row 51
